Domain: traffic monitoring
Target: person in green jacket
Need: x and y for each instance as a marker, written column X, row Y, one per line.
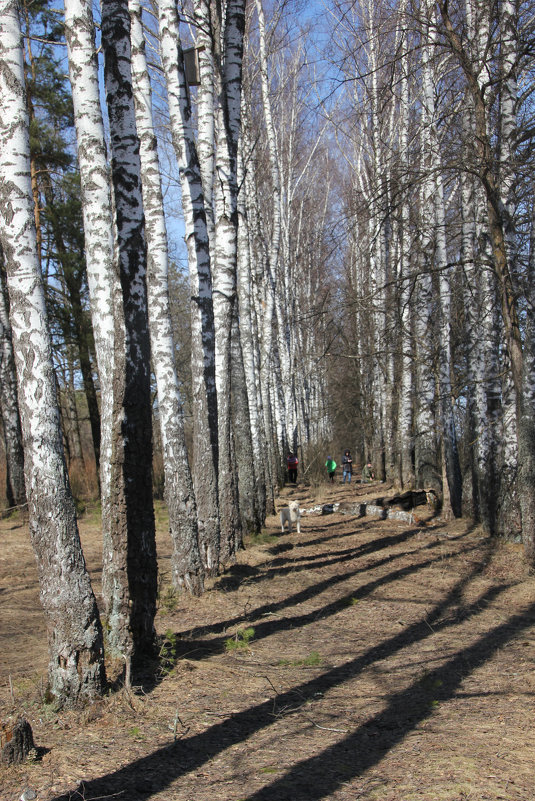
column 330, row 464
column 367, row 473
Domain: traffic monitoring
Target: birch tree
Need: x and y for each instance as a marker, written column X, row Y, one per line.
column 205, row 434
column 9, row 407
column 130, row 569
column 436, row 199
column 76, row 665
column 98, row 224
column 228, row 83
column 179, row 494
column 520, row 368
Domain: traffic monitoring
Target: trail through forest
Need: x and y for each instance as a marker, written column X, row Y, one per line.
column 360, row 659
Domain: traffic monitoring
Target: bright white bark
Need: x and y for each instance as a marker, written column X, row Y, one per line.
column 405, row 413
column 224, row 265
column 98, row 220
column 449, row 436
column 180, row 498
column 205, row 450
column 207, row 25
column 428, row 471
column 76, row 666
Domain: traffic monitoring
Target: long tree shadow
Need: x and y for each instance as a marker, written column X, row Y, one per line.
column 315, row 590
column 361, row 523
column 157, row 771
column 289, row 563
column 201, row 649
column 195, row 645
column 319, row 776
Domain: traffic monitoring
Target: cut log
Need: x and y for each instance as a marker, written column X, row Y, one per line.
column 16, row 742
column 406, row 500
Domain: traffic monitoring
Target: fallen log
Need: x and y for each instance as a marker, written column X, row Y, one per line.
column 407, row 500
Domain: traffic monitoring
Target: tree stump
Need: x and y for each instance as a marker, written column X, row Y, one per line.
column 16, row 742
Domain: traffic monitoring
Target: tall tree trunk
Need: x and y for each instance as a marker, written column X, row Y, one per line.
column 187, row 570
column 98, row 224
column 224, row 266
column 405, row 416
column 130, row 563
column 249, row 347
column 76, row 666
column 449, row 435
column 427, row 458
column 205, row 434
column 520, row 368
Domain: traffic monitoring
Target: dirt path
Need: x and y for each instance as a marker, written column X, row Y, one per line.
column 361, row 659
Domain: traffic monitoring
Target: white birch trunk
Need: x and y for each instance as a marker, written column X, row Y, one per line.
column 98, row 223
column 249, row 343
column 224, row 266
column 76, row 666
column 205, row 435
column 187, row 571
column 405, row 416
column 449, row 435
column 207, row 29
column 428, row 468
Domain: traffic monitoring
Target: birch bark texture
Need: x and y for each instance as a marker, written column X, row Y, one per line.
column 9, row 405
column 99, row 225
column 187, row 569
column 76, row 658
column 228, row 55
column 205, row 434
column 130, row 568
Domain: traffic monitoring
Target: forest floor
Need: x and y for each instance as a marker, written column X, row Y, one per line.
column 361, row 659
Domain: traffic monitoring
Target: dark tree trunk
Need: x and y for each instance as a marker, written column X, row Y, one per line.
column 248, row 472
column 15, row 487
column 130, row 579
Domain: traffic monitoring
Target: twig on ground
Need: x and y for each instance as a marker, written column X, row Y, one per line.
column 323, row 728
column 175, row 726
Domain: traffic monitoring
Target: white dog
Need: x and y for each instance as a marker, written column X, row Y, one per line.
column 291, row 514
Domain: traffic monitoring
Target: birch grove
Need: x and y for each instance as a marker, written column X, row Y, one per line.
column 464, row 243
column 357, row 224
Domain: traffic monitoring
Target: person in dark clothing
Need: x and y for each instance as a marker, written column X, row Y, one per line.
column 347, row 466
column 292, row 462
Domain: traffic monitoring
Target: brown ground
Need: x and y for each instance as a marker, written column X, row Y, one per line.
column 389, row 661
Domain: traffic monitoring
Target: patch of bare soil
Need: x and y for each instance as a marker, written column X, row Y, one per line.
column 362, row 659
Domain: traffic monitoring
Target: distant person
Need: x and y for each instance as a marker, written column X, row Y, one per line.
column 347, row 466
column 367, row 473
column 330, row 464
column 292, row 461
